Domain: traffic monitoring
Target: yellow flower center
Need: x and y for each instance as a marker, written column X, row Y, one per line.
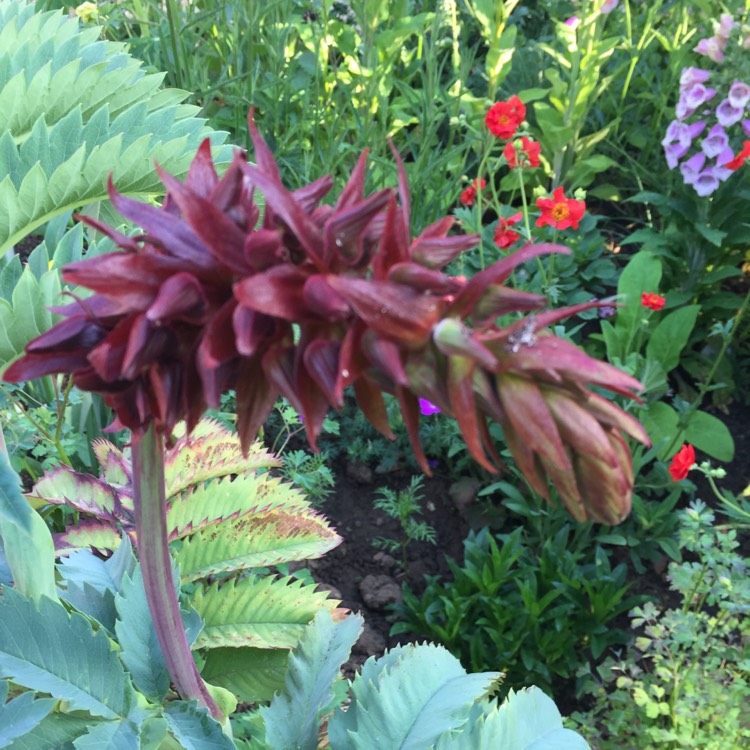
column 560, row 211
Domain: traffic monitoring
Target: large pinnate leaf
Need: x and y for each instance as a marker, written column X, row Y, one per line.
column 194, row 728
column 393, row 708
column 20, row 715
column 55, row 732
column 45, row 649
column 252, row 674
column 74, row 109
column 229, row 497
column 211, row 451
column 256, row 540
column 293, row 717
column 258, row 611
column 85, row 493
column 527, row 720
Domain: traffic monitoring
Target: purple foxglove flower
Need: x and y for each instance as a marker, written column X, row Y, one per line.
column 692, row 167
column 715, row 142
column 427, row 408
column 726, row 24
column 711, row 47
column 720, row 171
column 674, row 152
column 683, row 133
column 706, row 182
column 692, row 76
column 739, row 94
column 727, row 114
column 696, row 95
column 608, row 6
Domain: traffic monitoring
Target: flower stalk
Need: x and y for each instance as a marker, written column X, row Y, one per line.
column 156, row 567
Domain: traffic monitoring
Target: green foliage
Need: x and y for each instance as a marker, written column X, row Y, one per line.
column 226, row 515
column 536, row 612
column 403, row 506
column 444, row 708
column 310, row 473
column 75, row 110
column 685, row 683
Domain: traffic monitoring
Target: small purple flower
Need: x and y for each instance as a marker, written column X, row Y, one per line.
column 607, row 311
column 678, row 139
column 706, row 182
column 720, row 171
column 697, row 94
column 691, row 76
column 726, row 24
column 608, row 6
column 692, row 167
column 573, row 22
column 427, row 408
column 746, row 127
column 674, row 152
column 711, row 47
column 739, row 94
column 433, row 463
column 715, row 142
column 727, row 114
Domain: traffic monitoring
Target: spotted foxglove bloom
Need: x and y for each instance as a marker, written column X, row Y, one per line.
column 678, row 140
column 727, row 114
column 739, row 94
column 715, row 142
column 691, row 76
column 706, row 182
column 692, row 167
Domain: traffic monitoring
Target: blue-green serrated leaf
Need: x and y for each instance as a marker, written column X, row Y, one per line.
column 194, row 728
column 110, row 735
column 141, row 652
column 99, row 535
column 56, row 732
column 293, row 718
column 399, row 711
column 26, row 538
column 85, row 493
column 257, row 611
column 527, row 720
column 90, row 583
column 46, row 649
column 20, row 715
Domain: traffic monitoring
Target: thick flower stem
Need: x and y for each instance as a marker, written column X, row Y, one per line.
column 153, row 549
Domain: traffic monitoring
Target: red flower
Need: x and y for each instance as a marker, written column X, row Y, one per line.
column 739, row 160
column 504, row 118
column 652, row 301
column 504, row 236
column 559, row 211
column 527, row 149
column 316, row 298
column 469, row 195
column 682, row 462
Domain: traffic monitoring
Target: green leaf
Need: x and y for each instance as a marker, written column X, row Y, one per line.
column 258, row 611
column 120, row 735
column 252, row 674
column 194, row 728
column 47, row 650
column 527, row 720
column 20, row 715
column 56, row 732
column 293, row 718
column 642, row 274
column 26, row 538
column 141, row 653
column 390, row 708
column 255, row 540
column 710, row 435
column 671, row 335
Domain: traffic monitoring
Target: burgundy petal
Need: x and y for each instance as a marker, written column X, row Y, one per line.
column 201, row 177
column 423, row 279
column 181, row 297
column 277, row 291
column 321, row 359
column 324, row 300
column 32, row 366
